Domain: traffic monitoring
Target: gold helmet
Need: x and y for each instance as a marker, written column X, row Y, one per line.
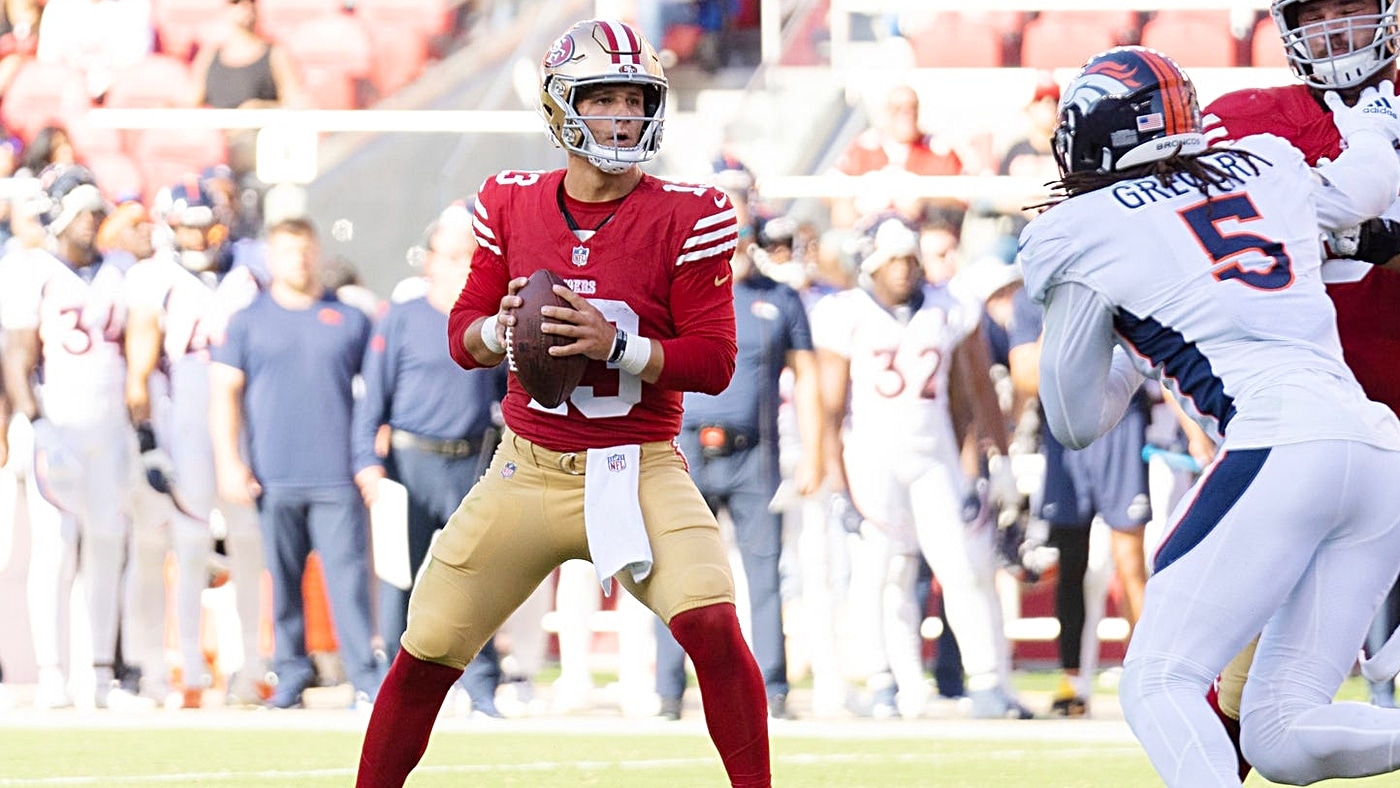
column 602, row 52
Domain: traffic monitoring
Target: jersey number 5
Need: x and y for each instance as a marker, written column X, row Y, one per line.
column 1205, row 218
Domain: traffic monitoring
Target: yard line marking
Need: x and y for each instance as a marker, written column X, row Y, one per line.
column 482, row 768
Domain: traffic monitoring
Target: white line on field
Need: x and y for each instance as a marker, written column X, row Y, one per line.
column 548, row 766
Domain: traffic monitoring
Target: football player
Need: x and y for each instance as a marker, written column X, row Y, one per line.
column 1343, row 46
column 598, row 477
column 181, row 298
column 898, row 358
column 64, row 318
column 1200, row 267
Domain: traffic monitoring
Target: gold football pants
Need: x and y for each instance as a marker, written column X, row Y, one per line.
column 525, row 517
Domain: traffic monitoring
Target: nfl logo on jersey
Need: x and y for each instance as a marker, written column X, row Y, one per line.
column 580, row 256
column 617, row 463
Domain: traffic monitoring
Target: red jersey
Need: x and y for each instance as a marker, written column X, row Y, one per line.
column 1370, row 336
column 659, row 268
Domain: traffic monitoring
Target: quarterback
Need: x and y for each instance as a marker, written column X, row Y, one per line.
column 598, row 477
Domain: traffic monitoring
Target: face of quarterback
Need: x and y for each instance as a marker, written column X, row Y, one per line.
column 609, row 103
column 1341, row 37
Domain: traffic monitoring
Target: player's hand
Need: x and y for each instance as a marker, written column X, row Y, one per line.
column 843, row 511
column 1375, row 110
column 237, row 484
column 505, row 313
column 808, row 474
column 1002, row 491
column 592, row 333
column 368, row 482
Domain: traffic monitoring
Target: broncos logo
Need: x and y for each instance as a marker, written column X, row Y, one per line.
column 1126, row 73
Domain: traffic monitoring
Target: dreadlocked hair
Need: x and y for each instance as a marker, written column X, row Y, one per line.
column 1192, row 168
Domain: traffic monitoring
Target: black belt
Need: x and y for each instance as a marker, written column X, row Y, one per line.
column 447, row 447
column 719, row 440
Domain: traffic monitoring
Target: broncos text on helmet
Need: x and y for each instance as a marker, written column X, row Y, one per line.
column 1127, row 106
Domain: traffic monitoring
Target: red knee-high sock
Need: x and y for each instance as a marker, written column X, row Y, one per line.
column 1232, row 727
column 403, row 716
column 731, row 688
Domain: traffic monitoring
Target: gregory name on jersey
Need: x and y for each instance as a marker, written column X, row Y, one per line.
column 1146, row 191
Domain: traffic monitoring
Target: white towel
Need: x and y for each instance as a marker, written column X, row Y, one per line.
column 612, row 514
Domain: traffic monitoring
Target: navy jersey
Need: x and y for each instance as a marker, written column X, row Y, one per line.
column 412, row 383
column 769, row 321
column 297, row 398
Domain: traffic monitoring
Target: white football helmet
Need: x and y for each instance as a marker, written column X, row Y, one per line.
column 1338, row 66
column 601, row 52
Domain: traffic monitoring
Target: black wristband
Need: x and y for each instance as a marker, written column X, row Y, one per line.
column 619, row 346
column 1379, row 241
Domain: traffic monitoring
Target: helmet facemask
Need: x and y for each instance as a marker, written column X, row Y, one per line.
column 1337, row 65
column 598, row 53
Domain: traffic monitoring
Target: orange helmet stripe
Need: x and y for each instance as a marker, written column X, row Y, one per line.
column 1176, row 98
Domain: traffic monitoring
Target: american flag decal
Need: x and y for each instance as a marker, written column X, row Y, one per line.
column 1150, row 122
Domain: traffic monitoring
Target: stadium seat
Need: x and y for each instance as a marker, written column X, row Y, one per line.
column 164, row 156
column 42, row 94
column 435, row 18
column 1066, row 39
column 953, row 40
column 400, row 51
column 1266, row 47
column 117, row 175
column 90, row 140
column 157, row 81
column 183, row 26
column 1194, row 39
column 277, row 19
column 332, row 52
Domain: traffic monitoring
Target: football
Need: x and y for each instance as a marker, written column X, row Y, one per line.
column 549, row 380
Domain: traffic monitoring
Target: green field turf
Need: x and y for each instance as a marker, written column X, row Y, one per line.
column 245, row 757
column 263, row 749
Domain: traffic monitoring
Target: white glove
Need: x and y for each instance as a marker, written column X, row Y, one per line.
column 1375, row 110
column 1001, row 483
column 1344, row 242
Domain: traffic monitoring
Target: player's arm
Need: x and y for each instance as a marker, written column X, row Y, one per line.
column 235, row 479
column 20, row 362
column 1362, row 182
column 834, row 371
column 372, row 408
column 811, row 419
column 143, row 346
column 1086, row 381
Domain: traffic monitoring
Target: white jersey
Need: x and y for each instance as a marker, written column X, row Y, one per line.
column 81, row 319
column 899, row 368
column 194, row 309
column 1223, row 300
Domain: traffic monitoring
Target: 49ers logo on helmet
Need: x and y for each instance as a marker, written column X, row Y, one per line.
column 561, row 53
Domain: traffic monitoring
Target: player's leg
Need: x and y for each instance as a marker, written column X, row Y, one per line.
column 670, row 671
column 825, row 570
column 481, row 568
column 244, row 543
column 691, row 588
column 144, row 603
column 102, row 536
column 1072, row 541
column 1291, row 730
column 1236, row 553
column 963, row 559
column 337, row 522
column 53, row 560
